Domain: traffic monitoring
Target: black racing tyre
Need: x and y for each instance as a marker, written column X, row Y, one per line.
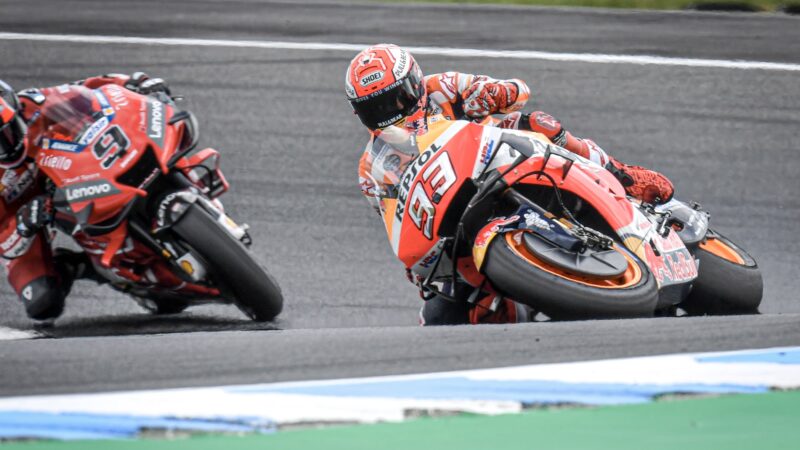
column 518, row 274
column 729, row 280
column 232, row 266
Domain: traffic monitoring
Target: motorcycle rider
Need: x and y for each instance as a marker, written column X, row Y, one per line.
column 40, row 278
column 385, row 87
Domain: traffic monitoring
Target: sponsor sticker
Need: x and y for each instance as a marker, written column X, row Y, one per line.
column 55, row 162
column 14, row 184
column 486, row 151
column 533, row 219
column 104, row 104
column 156, row 122
column 82, row 192
column 117, row 95
column 128, row 159
column 408, row 176
column 94, row 130
column 15, row 246
column 374, row 77
column 62, row 146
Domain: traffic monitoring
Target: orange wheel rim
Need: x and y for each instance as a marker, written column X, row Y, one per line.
column 719, row 248
column 631, row 276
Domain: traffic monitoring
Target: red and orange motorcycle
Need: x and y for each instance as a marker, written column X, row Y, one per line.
column 478, row 212
column 128, row 186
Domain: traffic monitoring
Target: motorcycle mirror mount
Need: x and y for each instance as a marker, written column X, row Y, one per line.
column 518, row 143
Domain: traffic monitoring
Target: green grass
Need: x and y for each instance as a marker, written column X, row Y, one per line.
column 760, row 5
column 735, row 422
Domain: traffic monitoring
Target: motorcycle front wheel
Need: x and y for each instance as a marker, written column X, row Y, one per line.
column 231, row 265
column 562, row 295
column 729, row 280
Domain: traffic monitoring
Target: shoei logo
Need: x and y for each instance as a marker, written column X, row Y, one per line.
column 91, row 190
column 371, row 78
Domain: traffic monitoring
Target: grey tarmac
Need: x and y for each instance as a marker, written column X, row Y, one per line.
column 290, row 145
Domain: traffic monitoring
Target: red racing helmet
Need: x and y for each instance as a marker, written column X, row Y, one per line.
column 384, row 85
column 12, row 128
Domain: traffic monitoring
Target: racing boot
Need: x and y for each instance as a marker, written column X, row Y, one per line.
column 647, row 185
column 639, row 182
column 73, row 266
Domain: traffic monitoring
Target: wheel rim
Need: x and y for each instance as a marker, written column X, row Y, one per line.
column 631, row 276
column 722, row 250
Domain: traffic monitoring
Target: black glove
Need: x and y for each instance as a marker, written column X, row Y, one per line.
column 34, row 215
column 142, row 83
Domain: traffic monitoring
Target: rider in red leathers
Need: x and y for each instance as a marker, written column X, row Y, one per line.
column 385, row 86
column 40, row 278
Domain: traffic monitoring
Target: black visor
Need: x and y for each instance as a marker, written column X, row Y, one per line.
column 390, row 105
column 12, row 135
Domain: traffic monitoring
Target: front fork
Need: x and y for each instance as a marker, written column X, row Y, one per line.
column 168, row 211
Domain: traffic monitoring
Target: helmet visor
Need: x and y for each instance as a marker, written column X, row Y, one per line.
column 388, row 106
column 12, row 136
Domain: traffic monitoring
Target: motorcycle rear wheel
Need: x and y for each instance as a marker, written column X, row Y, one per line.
column 729, row 280
column 231, row 264
column 562, row 295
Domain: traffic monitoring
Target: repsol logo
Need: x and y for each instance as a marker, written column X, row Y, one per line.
column 408, row 177
column 371, row 78
column 87, row 191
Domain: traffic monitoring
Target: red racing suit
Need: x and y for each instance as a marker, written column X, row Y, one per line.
column 31, row 268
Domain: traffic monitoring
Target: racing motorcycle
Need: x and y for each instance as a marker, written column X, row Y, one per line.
column 128, row 186
column 476, row 211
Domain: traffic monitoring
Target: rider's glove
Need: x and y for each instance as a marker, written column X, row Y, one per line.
column 142, row 83
column 34, row 215
column 479, row 100
column 484, row 98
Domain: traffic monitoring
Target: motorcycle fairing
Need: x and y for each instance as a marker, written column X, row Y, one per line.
column 670, row 261
column 525, row 218
column 93, row 138
column 412, row 225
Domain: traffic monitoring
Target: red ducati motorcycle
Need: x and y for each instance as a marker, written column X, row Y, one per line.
column 128, row 187
column 478, row 212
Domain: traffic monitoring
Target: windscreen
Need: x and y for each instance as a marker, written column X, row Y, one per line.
column 393, row 149
column 75, row 114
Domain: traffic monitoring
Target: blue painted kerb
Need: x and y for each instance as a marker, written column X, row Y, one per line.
column 523, row 391
column 24, row 424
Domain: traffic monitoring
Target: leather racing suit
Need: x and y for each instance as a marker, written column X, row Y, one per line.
column 39, row 277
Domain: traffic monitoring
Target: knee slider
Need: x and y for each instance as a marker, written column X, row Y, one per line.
column 43, row 298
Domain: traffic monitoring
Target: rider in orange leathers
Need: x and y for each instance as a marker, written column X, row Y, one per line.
column 385, row 86
column 41, row 279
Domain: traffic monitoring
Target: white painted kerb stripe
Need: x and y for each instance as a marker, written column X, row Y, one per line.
column 441, row 51
column 11, row 334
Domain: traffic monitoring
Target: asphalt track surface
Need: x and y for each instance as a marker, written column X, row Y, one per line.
column 290, row 144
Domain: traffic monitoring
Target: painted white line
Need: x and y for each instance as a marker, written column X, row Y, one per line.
column 11, row 334
column 440, row 51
